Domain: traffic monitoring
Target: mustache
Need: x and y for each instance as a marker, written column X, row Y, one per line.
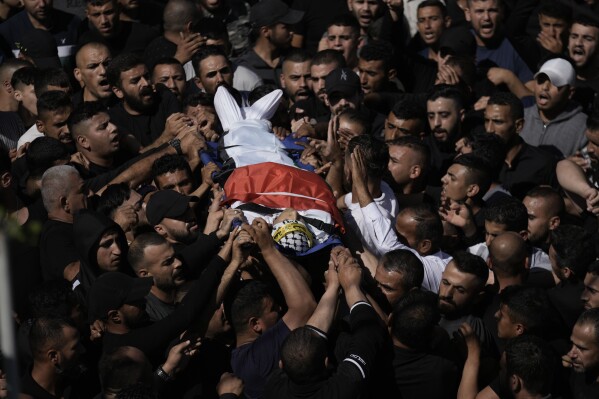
column 146, row 91
column 447, row 299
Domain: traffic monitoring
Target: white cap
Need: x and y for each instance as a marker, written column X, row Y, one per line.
column 559, row 71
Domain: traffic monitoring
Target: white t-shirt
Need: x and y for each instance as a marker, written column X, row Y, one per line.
column 31, row 134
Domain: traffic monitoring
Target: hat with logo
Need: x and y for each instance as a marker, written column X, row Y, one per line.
column 114, row 289
column 167, row 204
column 343, row 81
column 270, row 12
column 559, row 71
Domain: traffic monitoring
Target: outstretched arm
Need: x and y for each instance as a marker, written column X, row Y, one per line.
column 299, row 298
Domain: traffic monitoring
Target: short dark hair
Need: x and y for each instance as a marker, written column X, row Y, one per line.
column 449, row 92
column 346, row 20
column 408, row 108
column 479, row 172
column 594, row 268
column 201, row 98
column 210, row 28
column 84, row 112
column 119, row 64
column 556, row 202
column 415, row 145
column 117, row 370
column 434, row 3
column 169, row 163
column 51, row 77
column 43, row 153
column 375, row 153
column 53, row 298
column 248, row 302
column 472, row 264
column 590, row 316
column 557, row 10
column 358, row 117
column 297, row 55
column 534, row 361
column 53, row 100
column 429, row 224
column 303, row 355
column 260, row 91
column 492, row 149
column 139, row 245
column 378, row 50
column 25, row 76
column 407, row 264
column 574, row 248
column 528, row 306
column 414, row 319
column 509, row 212
column 165, row 61
column 47, row 331
column 205, row 52
column 593, row 121
column 113, row 196
column 329, row 56
column 586, row 20
column 510, row 100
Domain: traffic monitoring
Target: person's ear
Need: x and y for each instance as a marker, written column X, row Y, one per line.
column 159, row 228
column 424, row 246
column 255, row 325
column 515, row 383
column 350, row 6
column 7, row 86
column 326, row 101
column 18, row 95
column 415, row 171
column 142, row 273
column 265, row 31
column 83, row 142
column 572, row 92
column 462, row 114
column 519, row 329
column 447, row 21
column 53, row 356
column 519, row 124
column 64, row 203
column 567, row 272
column 472, row 190
column 77, row 75
column 5, row 179
column 391, row 74
column 281, row 364
column 524, row 234
column 118, row 92
column 198, row 83
column 326, row 362
column 467, row 13
column 282, row 80
column 115, row 316
column 554, row 222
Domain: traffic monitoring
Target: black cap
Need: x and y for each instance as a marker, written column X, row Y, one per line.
column 40, row 45
column 166, row 204
column 344, row 81
column 269, row 12
column 457, row 41
column 112, row 290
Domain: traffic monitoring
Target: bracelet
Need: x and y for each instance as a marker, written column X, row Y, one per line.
column 163, row 374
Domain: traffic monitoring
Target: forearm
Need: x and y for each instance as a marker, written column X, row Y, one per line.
column 141, row 170
column 572, row 178
column 518, row 88
column 361, row 193
column 225, row 281
column 295, row 289
column 468, row 388
column 335, row 178
column 322, row 318
column 354, row 295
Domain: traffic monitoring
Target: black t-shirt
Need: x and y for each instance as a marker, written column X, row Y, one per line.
column 317, row 16
column 583, row 389
column 57, row 249
column 133, row 37
column 565, row 297
column 149, row 126
column 423, row 375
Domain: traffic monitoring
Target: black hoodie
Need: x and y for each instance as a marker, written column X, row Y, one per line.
column 89, row 227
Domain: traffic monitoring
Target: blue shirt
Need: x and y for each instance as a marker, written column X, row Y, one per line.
column 505, row 56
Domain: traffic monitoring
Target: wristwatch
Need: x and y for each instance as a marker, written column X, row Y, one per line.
column 176, row 144
column 163, row 375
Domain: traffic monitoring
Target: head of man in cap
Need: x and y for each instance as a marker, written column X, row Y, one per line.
column 343, row 90
column 271, row 21
column 171, row 216
column 119, row 301
column 553, row 87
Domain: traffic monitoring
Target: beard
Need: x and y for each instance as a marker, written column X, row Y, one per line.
column 137, row 103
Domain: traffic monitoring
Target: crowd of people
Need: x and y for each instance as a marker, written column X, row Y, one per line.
column 301, row 198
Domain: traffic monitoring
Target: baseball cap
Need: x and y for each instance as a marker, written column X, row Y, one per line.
column 457, row 41
column 166, row 204
column 342, row 80
column 40, row 45
column 559, row 71
column 269, row 12
column 114, row 289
